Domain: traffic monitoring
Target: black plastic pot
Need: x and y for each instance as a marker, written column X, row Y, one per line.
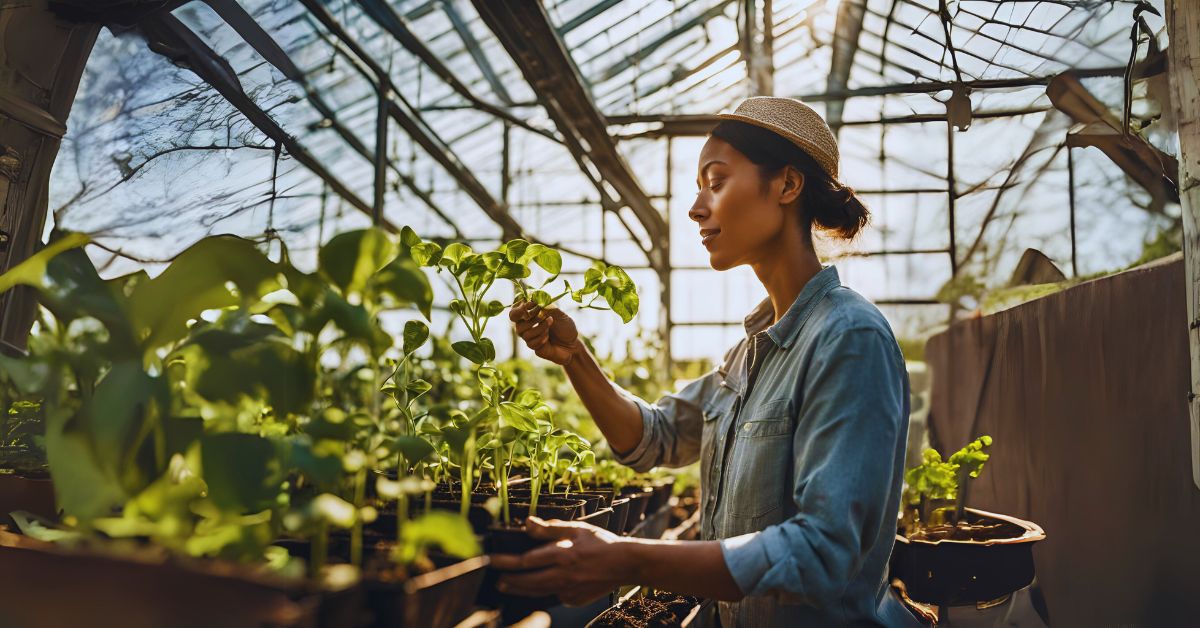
column 600, row 518
column 639, row 498
column 660, row 495
column 616, row 523
column 952, row 572
column 592, row 502
column 435, row 599
column 510, row 540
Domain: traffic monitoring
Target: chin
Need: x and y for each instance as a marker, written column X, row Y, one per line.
column 717, row 262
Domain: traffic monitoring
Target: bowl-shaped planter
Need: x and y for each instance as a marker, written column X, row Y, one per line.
column 990, row 558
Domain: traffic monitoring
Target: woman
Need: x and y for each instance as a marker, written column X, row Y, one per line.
column 800, row 432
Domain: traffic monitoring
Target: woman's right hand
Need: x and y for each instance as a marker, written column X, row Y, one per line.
column 548, row 331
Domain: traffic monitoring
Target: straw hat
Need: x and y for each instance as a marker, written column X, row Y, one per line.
column 795, row 121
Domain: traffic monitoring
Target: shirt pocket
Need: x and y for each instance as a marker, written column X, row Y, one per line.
column 761, row 461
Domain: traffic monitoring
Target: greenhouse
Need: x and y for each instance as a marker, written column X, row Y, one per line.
column 708, row 313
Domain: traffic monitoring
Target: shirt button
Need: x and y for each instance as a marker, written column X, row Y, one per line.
column 746, row 427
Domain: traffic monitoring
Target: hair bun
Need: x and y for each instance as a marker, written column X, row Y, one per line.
column 839, row 211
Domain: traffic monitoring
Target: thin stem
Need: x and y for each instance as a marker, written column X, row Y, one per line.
column 356, row 533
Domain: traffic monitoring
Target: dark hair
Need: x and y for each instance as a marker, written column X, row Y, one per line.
column 828, row 204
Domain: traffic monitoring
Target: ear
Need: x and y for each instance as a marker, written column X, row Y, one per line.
column 793, row 183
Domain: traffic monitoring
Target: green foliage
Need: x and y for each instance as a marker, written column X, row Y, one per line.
column 934, row 482
column 234, row 398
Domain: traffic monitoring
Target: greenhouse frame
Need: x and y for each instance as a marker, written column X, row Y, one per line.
column 1029, row 167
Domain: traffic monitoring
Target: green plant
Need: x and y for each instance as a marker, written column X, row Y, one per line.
column 936, row 487
column 193, row 408
column 510, row 419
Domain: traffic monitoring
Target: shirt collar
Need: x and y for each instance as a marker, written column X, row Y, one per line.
column 785, row 331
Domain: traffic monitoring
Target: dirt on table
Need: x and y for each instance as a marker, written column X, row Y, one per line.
column 657, row 609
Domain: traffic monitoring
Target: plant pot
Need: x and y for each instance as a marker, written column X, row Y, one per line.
column 660, row 495
column 600, row 518
column 511, row 540
column 151, row 590
column 638, row 500
column 33, row 495
column 591, row 504
column 948, row 572
column 616, row 523
column 437, row 599
column 481, row 519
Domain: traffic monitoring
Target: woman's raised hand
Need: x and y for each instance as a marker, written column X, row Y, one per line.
column 549, row 332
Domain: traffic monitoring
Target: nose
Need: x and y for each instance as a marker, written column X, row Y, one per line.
column 699, row 211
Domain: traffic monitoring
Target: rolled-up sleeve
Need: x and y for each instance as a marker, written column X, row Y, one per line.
column 852, row 414
column 671, row 426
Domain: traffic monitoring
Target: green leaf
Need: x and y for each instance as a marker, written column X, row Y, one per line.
column 494, row 308
column 28, row 374
column 517, row 417
column 32, row 271
column 330, row 424
column 82, row 488
column 626, row 305
column 418, row 387
column 243, row 471
column 541, row 297
column 514, row 249
column 471, row 351
column 509, row 270
column 489, row 349
column 196, row 281
column 529, row 398
column 413, row 449
column 404, row 281
column 333, row 509
column 546, row 257
column 124, row 406
column 453, row 256
column 322, row 465
column 349, row 260
column 415, row 334
column 227, row 366
column 446, row 530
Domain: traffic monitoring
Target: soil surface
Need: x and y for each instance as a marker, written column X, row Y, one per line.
column 984, row 530
column 657, row 609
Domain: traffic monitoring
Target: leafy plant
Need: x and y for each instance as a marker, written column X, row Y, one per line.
column 936, row 487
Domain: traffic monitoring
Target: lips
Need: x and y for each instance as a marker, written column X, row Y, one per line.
column 708, row 235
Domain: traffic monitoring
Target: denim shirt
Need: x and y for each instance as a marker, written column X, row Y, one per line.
column 800, row 435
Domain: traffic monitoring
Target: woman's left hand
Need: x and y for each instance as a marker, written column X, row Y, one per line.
column 581, row 564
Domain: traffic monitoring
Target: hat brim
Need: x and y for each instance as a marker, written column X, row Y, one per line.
column 804, row 144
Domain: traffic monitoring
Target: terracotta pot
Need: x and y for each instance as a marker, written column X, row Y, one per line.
column 950, row 572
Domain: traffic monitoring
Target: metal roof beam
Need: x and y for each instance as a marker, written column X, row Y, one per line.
column 531, row 40
column 171, row 38
column 269, row 49
column 410, row 120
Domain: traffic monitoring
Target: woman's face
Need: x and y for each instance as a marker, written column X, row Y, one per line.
column 740, row 221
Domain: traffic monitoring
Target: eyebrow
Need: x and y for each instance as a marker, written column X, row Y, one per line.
column 705, row 167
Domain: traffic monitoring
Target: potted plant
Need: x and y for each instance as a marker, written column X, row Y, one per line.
column 185, row 414
column 947, row 554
